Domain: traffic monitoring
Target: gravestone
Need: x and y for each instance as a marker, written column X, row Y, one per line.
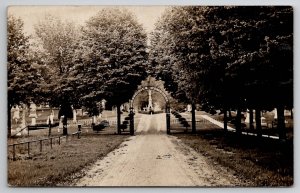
column 50, row 118
column 189, row 108
column 247, row 120
column 32, row 113
column 74, row 116
column 16, row 113
column 275, row 113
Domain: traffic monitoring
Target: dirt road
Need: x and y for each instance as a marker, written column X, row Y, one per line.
column 153, row 158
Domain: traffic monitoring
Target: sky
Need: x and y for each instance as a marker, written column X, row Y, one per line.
column 146, row 15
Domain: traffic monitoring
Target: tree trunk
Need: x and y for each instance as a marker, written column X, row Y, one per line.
column 65, row 123
column 251, row 119
column 225, row 120
column 8, row 119
column 281, row 123
column 119, row 118
column 238, row 125
column 229, row 114
column 193, row 118
column 258, row 122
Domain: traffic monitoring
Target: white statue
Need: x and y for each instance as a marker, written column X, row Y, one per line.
column 150, row 105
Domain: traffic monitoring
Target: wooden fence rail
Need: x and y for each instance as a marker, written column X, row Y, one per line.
column 39, row 141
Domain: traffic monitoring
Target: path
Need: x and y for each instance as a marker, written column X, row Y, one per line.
column 152, row 158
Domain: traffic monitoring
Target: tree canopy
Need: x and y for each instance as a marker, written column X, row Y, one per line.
column 24, row 77
column 227, row 57
column 222, row 50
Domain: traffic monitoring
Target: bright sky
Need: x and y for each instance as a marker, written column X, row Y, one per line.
column 147, row 15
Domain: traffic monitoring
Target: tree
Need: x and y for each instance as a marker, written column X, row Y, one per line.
column 180, row 45
column 112, row 64
column 248, row 39
column 229, row 57
column 23, row 73
column 58, row 42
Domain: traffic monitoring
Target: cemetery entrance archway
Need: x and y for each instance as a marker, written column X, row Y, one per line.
column 167, row 106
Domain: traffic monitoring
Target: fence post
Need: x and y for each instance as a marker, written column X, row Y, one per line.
column 59, row 140
column 14, row 152
column 79, row 131
column 41, row 145
column 51, row 143
column 28, row 148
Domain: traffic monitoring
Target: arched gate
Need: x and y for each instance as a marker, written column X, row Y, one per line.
column 167, row 107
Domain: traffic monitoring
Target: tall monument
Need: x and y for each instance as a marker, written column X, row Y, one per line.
column 150, row 105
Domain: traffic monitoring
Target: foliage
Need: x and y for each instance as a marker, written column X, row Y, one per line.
column 23, row 72
column 56, row 44
column 227, row 55
column 112, row 57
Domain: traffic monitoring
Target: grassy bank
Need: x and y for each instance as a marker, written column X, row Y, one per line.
column 62, row 165
column 262, row 162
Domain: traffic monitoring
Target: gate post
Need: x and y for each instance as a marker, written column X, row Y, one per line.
column 168, row 118
column 131, row 116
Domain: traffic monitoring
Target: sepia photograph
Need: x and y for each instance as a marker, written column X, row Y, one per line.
column 150, row 96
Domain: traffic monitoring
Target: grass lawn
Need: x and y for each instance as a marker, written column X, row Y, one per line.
column 262, row 162
column 64, row 163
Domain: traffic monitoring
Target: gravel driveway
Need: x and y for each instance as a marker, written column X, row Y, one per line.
column 153, row 158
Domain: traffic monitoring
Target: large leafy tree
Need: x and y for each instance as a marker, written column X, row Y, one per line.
column 113, row 57
column 227, row 55
column 180, row 51
column 24, row 73
column 256, row 43
column 58, row 41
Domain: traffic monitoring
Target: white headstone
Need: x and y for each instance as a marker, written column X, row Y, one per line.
column 189, row 108
column 51, row 117
column 32, row 110
column 16, row 115
column 275, row 113
column 103, row 103
column 74, row 116
column 247, row 120
column 33, row 121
